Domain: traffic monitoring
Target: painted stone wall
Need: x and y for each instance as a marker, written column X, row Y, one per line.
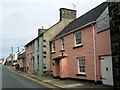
column 38, row 56
column 29, row 58
column 114, row 13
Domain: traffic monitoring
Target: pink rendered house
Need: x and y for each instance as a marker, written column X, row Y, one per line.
column 82, row 50
column 29, row 58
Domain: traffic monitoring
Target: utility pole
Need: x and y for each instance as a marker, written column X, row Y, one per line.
column 12, row 50
column 12, row 53
column 18, row 49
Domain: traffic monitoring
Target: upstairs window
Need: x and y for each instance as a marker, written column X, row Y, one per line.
column 62, row 42
column 53, row 47
column 78, row 38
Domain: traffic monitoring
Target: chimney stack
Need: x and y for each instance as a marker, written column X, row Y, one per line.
column 41, row 30
column 67, row 14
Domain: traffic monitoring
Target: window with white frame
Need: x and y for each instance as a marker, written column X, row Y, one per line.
column 62, row 42
column 81, row 65
column 53, row 47
column 78, row 38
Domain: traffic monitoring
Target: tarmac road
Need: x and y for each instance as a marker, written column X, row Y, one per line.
column 13, row 80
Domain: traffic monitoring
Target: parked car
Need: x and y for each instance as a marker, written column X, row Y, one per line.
column 14, row 64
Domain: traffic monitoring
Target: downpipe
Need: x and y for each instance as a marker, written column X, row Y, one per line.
column 94, row 53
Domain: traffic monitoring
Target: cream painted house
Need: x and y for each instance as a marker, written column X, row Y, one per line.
column 66, row 16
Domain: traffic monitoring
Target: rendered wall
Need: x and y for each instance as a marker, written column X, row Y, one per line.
column 73, row 53
column 29, row 58
column 49, row 35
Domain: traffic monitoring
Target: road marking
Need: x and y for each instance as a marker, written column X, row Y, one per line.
column 44, row 84
column 74, row 85
column 47, row 81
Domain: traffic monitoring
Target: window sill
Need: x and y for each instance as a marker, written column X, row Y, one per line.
column 53, row 52
column 62, row 50
column 81, row 75
column 81, row 45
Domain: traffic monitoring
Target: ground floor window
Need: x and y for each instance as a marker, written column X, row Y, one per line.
column 81, row 65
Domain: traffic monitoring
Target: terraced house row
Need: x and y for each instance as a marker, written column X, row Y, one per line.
column 38, row 50
column 77, row 48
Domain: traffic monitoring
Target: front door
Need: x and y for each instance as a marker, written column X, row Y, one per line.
column 106, row 70
column 33, row 65
column 57, row 67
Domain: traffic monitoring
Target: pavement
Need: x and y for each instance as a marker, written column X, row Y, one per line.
column 68, row 83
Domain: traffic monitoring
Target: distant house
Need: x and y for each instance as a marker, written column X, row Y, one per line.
column 9, row 60
column 38, row 50
column 1, row 61
column 82, row 50
column 15, row 56
column 22, row 60
column 4, row 61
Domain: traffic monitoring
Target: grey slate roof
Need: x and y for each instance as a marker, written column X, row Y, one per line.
column 88, row 17
column 33, row 40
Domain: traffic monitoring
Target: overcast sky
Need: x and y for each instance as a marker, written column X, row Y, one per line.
column 20, row 19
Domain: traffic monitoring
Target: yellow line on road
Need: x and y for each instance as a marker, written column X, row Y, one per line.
column 44, row 84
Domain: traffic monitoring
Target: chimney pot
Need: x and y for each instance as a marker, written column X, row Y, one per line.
column 41, row 30
column 42, row 27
